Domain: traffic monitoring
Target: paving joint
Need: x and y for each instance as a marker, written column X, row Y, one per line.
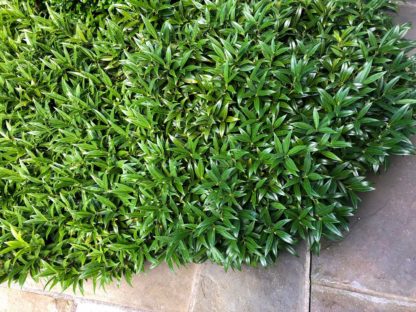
column 194, row 287
column 43, row 292
column 365, row 292
column 408, row 4
column 76, row 299
column 124, row 308
column 308, row 280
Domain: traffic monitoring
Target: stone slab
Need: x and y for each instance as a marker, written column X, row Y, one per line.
column 326, row 299
column 159, row 289
column 13, row 300
column 280, row 287
column 407, row 14
column 88, row 306
column 379, row 253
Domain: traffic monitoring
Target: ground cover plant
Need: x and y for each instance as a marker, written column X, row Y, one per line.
column 184, row 131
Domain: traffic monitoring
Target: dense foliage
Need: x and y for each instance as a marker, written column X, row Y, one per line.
column 182, row 131
column 94, row 6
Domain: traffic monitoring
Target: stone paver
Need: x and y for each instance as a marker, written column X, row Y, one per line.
column 157, row 290
column 407, row 14
column 200, row 288
column 326, row 299
column 13, row 300
column 379, row 254
column 88, row 306
column 280, row 287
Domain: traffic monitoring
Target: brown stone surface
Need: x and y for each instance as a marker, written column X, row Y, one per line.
column 326, row 299
column 281, row 287
column 158, row 290
column 199, row 288
column 13, row 300
column 88, row 306
column 379, row 254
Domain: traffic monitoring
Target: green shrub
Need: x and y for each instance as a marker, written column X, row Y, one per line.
column 78, row 6
column 185, row 131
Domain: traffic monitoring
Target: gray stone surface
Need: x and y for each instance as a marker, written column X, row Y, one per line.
column 334, row 300
column 281, row 287
column 379, row 254
column 374, row 267
column 407, row 14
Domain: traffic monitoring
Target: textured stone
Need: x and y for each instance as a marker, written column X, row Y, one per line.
column 379, row 253
column 88, row 306
column 158, row 289
column 13, row 300
column 407, row 14
column 280, row 287
column 326, row 299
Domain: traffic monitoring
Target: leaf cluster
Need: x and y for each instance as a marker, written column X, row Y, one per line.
column 186, row 131
column 74, row 6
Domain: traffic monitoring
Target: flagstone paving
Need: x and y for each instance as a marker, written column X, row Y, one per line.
column 196, row 288
column 377, row 259
column 281, row 287
column 372, row 270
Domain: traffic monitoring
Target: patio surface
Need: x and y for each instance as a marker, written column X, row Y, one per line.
column 372, row 269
